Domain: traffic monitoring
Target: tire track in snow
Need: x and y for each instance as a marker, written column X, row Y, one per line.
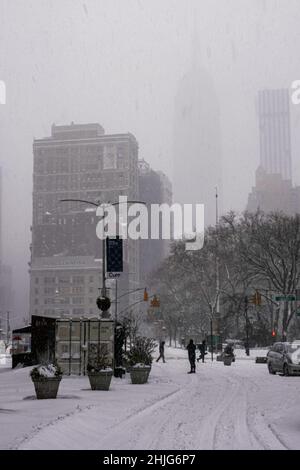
column 232, row 429
column 265, row 434
column 247, row 423
column 153, row 418
column 129, row 420
column 41, row 427
column 214, row 409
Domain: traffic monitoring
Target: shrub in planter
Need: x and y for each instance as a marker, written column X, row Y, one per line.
column 125, row 362
column 99, row 371
column 46, row 379
column 140, row 359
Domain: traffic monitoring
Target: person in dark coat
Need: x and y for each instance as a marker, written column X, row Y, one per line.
column 161, row 351
column 202, row 350
column 228, row 351
column 191, row 347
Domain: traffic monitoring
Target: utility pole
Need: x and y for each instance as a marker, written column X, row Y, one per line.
column 211, row 340
column 116, row 301
column 7, row 328
column 217, row 313
column 103, row 265
column 104, row 306
column 247, row 326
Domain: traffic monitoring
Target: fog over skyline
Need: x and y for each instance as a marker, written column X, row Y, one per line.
column 120, row 63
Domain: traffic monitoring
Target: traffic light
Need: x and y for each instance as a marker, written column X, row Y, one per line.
column 256, row 298
column 155, row 302
column 146, row 297
column 273, row 333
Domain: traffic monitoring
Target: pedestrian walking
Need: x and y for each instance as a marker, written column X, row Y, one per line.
column 202, row 350
column 191, row 347
column 161, row 351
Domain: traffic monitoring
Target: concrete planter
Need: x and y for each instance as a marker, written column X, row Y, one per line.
column 100, row 380
column 47, row 387
column 139, row 375
column 227, row 360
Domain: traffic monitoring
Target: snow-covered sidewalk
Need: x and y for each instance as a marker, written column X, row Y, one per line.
column 237, row 407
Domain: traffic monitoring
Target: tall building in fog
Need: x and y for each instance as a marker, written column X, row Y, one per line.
column 6, row 283
column 273, row 190
column 275, row 132
column 77, row 162
column 1, row 224
column 197, row 140
column 155, row 188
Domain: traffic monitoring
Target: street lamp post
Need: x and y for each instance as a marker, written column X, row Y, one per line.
column 116, row 301
column 7, row 327
column 217, row 307
column 123, row 295
column 104, row 301
column 211, row 339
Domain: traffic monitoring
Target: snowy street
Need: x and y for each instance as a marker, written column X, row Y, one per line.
column 237, row 407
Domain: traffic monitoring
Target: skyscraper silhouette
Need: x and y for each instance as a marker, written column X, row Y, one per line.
column 197, row 138
column 275, row 132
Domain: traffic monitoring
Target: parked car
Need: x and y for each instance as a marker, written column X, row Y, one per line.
column 284, row 357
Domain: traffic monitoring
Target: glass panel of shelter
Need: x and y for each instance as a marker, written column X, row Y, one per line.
column 78, row 342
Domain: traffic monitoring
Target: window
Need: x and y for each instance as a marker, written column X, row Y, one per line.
column 49, row 290
column 63, row 280
column 78, row 290
column 78, row 280
column 109, row 158
column 78, row 311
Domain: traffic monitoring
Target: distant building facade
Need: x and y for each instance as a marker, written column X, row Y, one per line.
column 272, row 193
column 274, row 190
column 275, row 132
column 6, row 282
column 77, row 162
column 155, row 188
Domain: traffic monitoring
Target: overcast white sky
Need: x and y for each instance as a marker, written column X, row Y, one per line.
column 119, row 62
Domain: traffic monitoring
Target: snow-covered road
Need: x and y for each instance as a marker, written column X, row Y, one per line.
column 237, row 407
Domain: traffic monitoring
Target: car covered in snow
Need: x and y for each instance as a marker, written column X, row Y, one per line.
column 284, row 357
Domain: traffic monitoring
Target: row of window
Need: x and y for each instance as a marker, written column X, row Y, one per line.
column 85, row 151
column 64, row 290
column 64, row 301
column 105, row 159
column 65, row 280
column 73, row 311
column 76, row 183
